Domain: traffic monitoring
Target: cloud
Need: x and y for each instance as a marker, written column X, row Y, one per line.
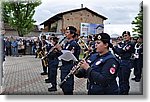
column 117, row 28
column 117, row 11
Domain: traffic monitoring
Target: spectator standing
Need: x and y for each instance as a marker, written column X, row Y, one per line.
column 8, row 47
column 20, row 47
column 14, row 46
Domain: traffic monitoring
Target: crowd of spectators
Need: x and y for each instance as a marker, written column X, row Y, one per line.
column 17, row 46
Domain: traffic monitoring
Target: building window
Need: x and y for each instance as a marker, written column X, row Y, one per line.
column 70, row 13
column 68, row 19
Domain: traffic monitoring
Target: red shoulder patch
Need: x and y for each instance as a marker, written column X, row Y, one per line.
column 112, row 70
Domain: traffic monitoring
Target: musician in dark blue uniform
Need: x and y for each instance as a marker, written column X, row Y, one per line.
column 91, row 45
column 50, row 56
column 118, row 44
column 101, row 68
column 71, row 45
column 44, row 46
column 53, row 62
column 125, row 52
column 138, row 59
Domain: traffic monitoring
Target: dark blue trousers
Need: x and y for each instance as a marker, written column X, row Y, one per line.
column 124, row 75
column 68, row 86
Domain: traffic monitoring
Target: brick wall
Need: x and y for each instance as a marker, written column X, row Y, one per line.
column 76, row 18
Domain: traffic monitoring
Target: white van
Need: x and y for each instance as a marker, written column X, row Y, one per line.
column 50, row 34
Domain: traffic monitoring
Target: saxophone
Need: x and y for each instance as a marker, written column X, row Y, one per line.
column 43, row 53
column 39, row 53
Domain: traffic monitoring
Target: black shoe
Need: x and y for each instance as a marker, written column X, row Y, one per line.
column 137, row 80
column 43, row 73
column 52, row 89
column 47, row 81
column 132, row 78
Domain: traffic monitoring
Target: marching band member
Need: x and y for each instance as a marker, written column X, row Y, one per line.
column 90, row 44
column 101, row 68
column 72, row 46
column 138, row 59
column 125, row 52
column 53, row 62
column 118, row 44
column 44, row 46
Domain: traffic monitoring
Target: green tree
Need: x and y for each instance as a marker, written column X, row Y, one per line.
column 138, row 22
column 19, row 15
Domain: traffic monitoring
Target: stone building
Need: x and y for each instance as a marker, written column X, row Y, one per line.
column 75, row 17
column 9, row 31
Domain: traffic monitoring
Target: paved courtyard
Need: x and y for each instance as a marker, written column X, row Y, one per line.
column 22, row 76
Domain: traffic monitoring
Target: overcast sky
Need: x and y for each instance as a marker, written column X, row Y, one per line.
column 118, row 12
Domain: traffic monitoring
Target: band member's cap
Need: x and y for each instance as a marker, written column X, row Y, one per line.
column 126, row 32
column 103, row 37
column 55, row 38
column 71, row 28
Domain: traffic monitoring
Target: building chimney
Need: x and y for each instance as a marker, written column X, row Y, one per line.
column 81, row 5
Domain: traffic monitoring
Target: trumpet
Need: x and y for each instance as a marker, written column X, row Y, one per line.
column 74, row 69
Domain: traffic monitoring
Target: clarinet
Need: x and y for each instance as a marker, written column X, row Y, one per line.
column 74, row 69
column 53, row 48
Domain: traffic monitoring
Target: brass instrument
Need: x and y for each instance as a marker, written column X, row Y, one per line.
column 51, row 50
column 39, row 53
column 83, row 42
column 83, row 46
column 45, row 62
column 43, row 53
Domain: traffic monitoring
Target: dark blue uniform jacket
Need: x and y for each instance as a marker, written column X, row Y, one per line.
column 102, row 74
